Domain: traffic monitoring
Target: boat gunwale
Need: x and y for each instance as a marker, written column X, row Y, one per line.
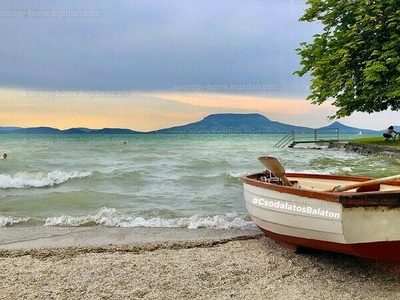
column 346, row 198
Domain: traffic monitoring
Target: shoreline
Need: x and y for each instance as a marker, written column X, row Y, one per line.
column 212, row 264
column 16, row 238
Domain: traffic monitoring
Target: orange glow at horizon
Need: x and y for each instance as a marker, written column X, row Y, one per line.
column 139, row 111
column 245, row 102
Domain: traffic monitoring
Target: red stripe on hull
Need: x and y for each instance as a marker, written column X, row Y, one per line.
column 387, row 261
column 383, row 251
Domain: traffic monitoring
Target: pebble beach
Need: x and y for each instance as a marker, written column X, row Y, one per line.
column 241, row 267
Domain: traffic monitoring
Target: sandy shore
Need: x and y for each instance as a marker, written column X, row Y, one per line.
column 248, row 267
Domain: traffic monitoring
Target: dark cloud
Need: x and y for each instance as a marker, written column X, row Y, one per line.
column 151, row 45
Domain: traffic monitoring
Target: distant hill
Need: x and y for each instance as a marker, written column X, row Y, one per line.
column 8, row 128
column 350, row 130
column 35, row 130
column 233, row 123
column 227, row 123
column 50, row 130
column 113, row 131
column 249, row 123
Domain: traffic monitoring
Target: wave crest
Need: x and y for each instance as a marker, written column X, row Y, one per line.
column 112, row 218
column 39, row 179
column 9, row 221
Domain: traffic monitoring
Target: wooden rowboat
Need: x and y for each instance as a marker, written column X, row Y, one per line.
column 352, row 215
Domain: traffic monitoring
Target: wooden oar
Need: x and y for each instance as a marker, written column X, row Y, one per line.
column 275, row 167
column 342, row 188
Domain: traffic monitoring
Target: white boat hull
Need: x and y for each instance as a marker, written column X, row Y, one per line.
column 365, row 224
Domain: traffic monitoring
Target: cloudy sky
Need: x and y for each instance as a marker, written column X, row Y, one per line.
column 150, row 64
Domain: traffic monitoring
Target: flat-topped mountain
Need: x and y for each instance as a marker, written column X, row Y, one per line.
column 227, row 123
column 250, row 124
column 232, row 123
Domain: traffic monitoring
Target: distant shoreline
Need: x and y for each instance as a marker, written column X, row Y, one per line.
column 212, row 124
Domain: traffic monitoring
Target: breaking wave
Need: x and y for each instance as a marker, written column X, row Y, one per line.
column 113, row 218
column 39, row 179
column 9, row 221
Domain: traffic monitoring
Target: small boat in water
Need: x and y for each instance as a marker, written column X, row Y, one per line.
column 353, row 215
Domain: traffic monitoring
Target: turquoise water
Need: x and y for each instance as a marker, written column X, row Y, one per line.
column 190, row 181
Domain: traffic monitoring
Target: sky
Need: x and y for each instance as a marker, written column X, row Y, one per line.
column 147, row 65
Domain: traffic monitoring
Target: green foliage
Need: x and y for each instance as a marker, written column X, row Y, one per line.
column 356, row 59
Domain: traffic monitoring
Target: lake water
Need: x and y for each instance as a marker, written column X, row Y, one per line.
column 186, row 181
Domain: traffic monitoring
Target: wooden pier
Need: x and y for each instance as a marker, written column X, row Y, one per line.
column 314, row 136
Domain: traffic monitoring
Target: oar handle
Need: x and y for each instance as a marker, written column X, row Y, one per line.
column 285, row 180
column 342, row 188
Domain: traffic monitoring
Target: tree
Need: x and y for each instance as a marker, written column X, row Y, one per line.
column 356, row 59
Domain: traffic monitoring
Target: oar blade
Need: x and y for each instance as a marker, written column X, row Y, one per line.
column 273, row 165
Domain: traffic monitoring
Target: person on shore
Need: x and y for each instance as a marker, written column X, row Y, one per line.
column 388, row 134
column 4, row 156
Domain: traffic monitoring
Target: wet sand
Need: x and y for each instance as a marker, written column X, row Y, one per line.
column 241, row 267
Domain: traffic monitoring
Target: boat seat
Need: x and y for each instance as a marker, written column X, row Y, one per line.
column 369, row 188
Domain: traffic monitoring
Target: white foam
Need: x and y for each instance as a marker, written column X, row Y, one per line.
column 238, row 175
column 347, row 169
column 9, row 221
column 313, row 171
column 39, row 179
column 113, row 218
